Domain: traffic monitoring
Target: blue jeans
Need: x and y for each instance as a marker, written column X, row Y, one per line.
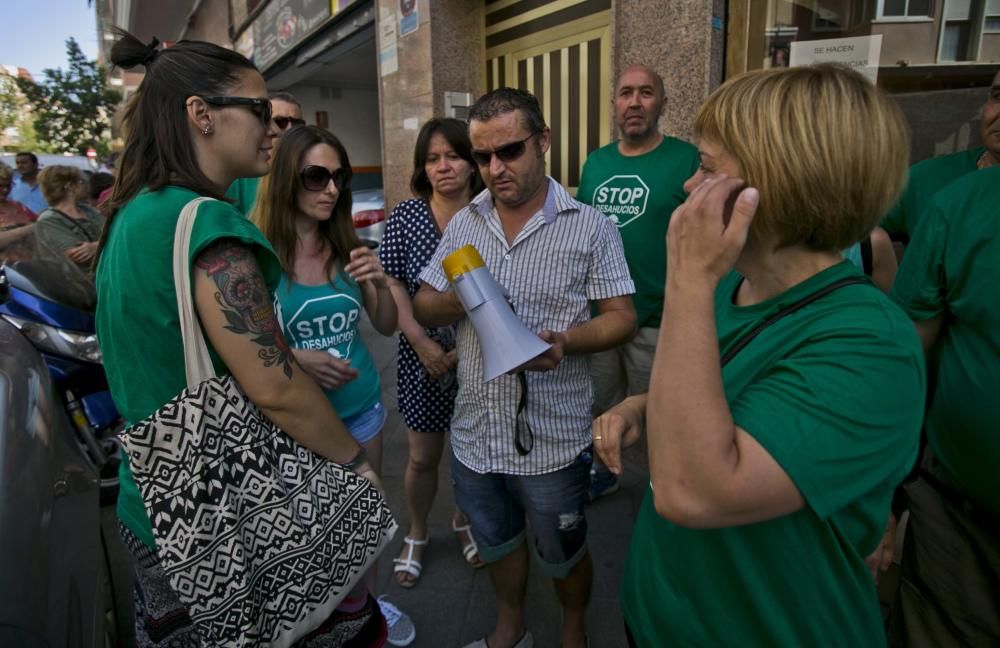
column 500, row 506
column 367, row 425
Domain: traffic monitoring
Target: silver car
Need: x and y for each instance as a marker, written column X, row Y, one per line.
column 368, row 214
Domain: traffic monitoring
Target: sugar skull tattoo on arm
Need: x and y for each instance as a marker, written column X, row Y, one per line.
column 245, row 300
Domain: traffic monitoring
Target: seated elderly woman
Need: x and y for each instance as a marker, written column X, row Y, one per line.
column 772, row 476
column 69, row 229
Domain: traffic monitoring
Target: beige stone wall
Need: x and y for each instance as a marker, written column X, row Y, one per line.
column 916, row 43
column 210, row 23
column 989, row 49
column 444, row 54
column 677, row 40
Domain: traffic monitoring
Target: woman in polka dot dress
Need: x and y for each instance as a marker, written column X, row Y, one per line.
column 445, row 179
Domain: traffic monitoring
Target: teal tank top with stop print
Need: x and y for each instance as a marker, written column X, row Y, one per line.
column 325, row 318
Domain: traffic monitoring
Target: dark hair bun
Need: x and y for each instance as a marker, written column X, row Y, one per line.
column 129, row 52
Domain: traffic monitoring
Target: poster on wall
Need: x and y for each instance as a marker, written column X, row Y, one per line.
column 861, row 53
column 244, row 44
column 388, row 54
column 409, row 19
column 283, row 24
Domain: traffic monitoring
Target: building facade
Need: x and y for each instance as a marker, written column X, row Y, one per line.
column 373, row 71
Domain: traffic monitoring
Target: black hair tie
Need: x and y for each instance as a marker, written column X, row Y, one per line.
column 151, row 51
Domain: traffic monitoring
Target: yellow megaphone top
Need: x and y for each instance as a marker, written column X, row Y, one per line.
column 464, row 259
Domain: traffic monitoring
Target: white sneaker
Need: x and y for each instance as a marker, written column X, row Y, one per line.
column 400, row 627
column 526, row 641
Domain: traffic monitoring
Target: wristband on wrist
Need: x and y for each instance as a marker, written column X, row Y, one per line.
column 359, row 460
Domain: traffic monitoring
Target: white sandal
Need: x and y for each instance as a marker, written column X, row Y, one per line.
column 471, row 550
column 409, row 565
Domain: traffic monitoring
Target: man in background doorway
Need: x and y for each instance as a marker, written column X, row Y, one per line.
column 637, row 182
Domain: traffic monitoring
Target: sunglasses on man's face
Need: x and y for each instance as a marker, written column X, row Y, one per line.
column 506, row 153
column 257, row 105
column 316, row 178
column 288, row 122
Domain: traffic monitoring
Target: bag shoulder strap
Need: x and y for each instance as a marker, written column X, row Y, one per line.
column 786, row 311
column 197, row 363
column 74, row 223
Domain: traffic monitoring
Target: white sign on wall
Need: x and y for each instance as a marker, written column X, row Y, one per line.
column 388, row 54
column 860, row 52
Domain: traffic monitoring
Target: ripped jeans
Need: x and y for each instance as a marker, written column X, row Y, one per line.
column 500, row 506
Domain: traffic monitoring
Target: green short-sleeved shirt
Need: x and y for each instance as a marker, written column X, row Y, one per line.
column 926, row 179
column 952, row 269
column 639, row 193
column 244, row 192
column 137, row 322
column 835, row 394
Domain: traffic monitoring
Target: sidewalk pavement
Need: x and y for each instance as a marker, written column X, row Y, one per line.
column 453, row 604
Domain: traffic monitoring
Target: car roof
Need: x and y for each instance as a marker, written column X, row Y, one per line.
column 47, row 159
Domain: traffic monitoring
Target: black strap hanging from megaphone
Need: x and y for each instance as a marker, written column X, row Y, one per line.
column 523, row 447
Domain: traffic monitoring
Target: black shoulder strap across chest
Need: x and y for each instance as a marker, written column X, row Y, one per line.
column 75, row 223
column 784, row 312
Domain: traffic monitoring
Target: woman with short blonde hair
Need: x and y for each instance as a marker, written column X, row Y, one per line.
column 59, row 181
column 772, row 476
column 828, row 154
column 69, row 230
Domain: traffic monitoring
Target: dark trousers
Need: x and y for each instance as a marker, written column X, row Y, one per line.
column 949, row 593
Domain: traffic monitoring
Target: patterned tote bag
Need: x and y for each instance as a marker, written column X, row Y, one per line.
column 260, row 537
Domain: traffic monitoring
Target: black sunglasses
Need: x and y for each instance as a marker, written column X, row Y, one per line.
column 506, row 153
column 316, row 178
column 259, row 106
column 285, row 122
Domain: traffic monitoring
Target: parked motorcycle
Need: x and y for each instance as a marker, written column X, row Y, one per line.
column 54, row 312
column 65, row 581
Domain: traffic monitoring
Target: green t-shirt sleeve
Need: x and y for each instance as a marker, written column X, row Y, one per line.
column 244, row 192
column 218, row 220
column 919, row 287
column 817, row 414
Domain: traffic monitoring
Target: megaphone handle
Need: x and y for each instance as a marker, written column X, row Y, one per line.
column 522, row 403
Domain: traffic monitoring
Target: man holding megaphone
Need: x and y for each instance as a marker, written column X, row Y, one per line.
column 521, row 440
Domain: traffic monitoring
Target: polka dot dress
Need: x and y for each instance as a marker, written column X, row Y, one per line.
column 411, row 236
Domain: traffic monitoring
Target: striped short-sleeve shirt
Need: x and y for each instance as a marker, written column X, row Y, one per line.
column 566, row 256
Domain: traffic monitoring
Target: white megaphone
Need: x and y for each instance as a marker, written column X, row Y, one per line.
column 504, row 341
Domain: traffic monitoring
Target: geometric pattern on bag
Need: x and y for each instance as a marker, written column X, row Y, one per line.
column 260, row 537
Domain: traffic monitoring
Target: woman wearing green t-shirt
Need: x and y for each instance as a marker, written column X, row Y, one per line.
column 771, row 479
column 328, row 276
column 199, row 120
